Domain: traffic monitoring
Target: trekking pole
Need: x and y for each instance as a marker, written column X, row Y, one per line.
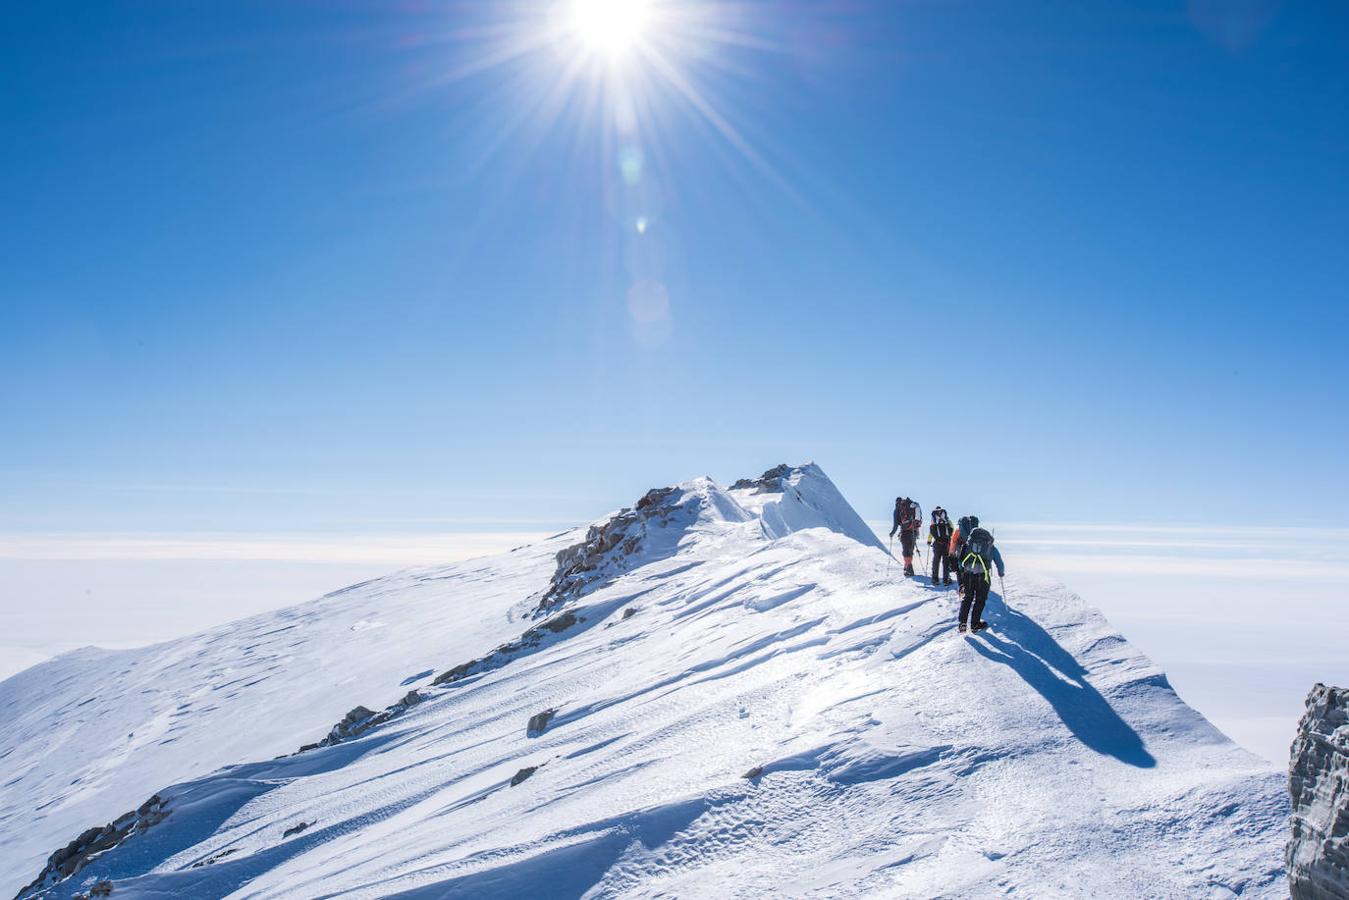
column 1002, row 589
column 892, row 556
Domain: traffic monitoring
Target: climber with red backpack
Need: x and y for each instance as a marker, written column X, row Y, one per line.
column 908, row 519
column 978, row 556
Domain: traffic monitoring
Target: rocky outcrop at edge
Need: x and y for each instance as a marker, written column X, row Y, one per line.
column 73, row 857
column 1318, row 780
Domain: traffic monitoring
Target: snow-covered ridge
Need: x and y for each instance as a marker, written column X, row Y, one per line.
column 743, row 697
column 783, row 500
column 93, row 732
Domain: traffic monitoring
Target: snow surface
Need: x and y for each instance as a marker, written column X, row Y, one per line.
column 758, row 705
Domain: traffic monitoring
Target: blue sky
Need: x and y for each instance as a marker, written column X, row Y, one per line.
column 305, row 266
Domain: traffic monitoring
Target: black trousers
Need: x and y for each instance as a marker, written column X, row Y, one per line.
column 906, row 542
column 941, row 558
column 976, row 595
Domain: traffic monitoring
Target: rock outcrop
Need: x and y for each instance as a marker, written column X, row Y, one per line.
column 1318, row 779
column 359, row 720
column 538, row 723
column 770, row 482
column 608, row 547
column 297, row 828
column 530, row 640
column 73, row 857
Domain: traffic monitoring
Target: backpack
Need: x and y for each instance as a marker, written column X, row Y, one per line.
column 912, row 515
column 978, row 552
column 941, row 524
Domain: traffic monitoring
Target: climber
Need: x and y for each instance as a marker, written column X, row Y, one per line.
column 908, row 519
column 979, row 555
column 954, row 552
column 939, row 540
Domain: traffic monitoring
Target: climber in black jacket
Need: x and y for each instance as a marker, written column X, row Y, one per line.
column 939, row 539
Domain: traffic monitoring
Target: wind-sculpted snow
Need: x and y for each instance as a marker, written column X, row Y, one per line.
column 91, row 734
column 749, row 710
column 793, row 498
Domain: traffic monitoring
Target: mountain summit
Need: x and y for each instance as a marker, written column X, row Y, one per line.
column 716, row 691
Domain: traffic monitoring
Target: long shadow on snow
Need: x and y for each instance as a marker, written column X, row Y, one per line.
column 1030, row 651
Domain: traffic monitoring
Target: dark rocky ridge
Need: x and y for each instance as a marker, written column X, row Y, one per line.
column 1318, row 780
column 73, row 857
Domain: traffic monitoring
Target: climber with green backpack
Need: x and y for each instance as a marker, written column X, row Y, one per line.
column 978, row 556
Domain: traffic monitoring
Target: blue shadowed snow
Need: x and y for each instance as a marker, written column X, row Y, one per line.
column 1030, row 651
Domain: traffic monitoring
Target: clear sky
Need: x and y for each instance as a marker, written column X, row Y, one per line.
column 294, row 266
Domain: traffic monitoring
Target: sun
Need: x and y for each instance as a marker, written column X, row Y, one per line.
column 611, row 29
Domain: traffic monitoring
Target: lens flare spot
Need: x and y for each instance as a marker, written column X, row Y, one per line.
column 648, row 302
column 630, row 163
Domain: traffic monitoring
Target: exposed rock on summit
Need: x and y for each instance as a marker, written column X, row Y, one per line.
column 770, row 482
column 608, row 546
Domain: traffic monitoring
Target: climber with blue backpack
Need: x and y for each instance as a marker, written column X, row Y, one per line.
column 978, row 556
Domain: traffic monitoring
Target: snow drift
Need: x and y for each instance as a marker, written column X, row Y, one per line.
column 716, row 691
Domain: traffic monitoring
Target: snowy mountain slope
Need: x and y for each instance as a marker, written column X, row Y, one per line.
column 93, row 733
column 750, row 706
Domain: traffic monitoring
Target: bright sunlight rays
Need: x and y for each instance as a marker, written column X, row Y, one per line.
column 611, row 28
column 629, row 86
column 631, row 63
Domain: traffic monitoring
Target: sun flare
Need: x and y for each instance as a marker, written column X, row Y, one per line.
column 610, row 28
